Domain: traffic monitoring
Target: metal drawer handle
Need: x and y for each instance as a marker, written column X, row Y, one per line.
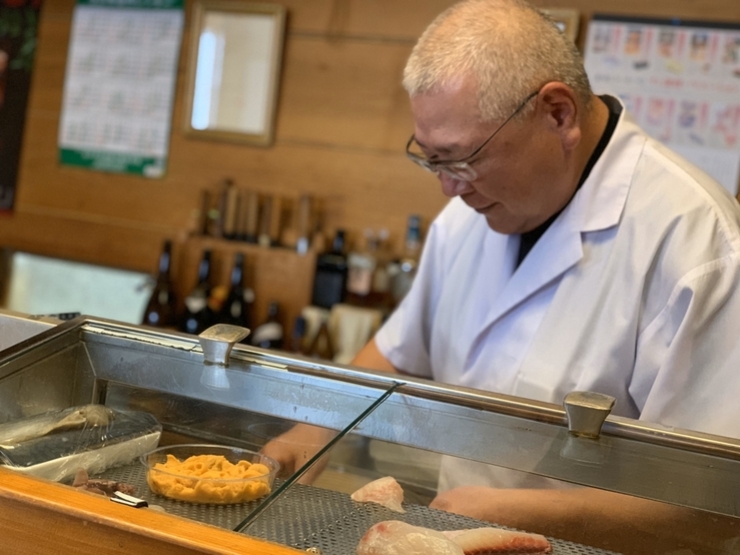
column 217, row 342
column 587, row 411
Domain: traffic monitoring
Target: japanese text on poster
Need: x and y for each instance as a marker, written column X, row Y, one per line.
column 679, row 80
column 119, row 85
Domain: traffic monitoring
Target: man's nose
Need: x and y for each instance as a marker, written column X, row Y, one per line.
column 452, row 186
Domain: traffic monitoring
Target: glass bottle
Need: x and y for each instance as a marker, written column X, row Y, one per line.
column 360, row 272
column 237, row 307
column 161, row 309
column 330, row 279
column 269, row 334
column 322, row 345
column 198, row 315
column 380, row 290
column 298, row 338
column 406, row 266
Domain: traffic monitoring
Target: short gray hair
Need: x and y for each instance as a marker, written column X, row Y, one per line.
column 509, row 47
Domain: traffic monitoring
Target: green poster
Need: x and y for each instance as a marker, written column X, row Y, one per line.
column 119, row 85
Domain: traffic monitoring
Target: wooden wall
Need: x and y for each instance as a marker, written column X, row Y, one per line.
column 342, row 123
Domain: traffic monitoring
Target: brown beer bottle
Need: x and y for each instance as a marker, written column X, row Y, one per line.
column 161, row 308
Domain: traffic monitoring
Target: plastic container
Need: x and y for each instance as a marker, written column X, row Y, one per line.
column 56, row 444
column 213, row 474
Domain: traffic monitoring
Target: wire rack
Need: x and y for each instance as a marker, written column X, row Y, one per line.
column 309, row 517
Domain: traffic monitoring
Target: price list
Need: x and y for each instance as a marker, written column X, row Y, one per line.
column 119, row 85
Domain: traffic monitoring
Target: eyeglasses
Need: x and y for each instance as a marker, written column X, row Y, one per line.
column 460, row 169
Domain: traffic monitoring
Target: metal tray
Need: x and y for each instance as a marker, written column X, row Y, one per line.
column 309, row 517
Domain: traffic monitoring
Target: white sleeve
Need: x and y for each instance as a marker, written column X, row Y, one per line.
column 405, row 337
column 687, row 366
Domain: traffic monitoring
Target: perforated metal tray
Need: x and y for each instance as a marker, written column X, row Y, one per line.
column 305, row 517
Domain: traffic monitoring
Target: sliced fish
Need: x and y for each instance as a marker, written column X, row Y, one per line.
column 18, row 431
column 495, row 541
column 393, row 537
column 384, row 491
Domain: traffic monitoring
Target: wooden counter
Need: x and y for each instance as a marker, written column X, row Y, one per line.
column 40, row 517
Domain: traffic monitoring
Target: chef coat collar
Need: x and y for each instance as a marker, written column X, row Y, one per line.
column 600, row 202
column 528, row 239
column 598, row 205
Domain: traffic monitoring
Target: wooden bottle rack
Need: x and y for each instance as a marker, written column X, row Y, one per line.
column 275, row 274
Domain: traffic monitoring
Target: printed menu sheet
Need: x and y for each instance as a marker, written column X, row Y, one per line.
column 679, row 80
column 119, row 85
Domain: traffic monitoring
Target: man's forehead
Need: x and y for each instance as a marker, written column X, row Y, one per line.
column 441, row 147
column 445, row 120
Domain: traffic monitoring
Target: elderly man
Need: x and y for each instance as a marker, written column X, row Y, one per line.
column 577, row 253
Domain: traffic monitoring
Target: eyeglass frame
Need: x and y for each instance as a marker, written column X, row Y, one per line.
column 463, row 164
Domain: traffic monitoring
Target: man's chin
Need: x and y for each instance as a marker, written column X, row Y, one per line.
column 501, row 225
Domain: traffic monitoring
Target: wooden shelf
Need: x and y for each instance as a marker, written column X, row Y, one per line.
column 277, row 274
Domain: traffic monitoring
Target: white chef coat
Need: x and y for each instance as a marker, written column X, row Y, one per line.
column 633, row 291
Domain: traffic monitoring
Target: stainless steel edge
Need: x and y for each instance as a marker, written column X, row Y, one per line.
column 478, row 399
column 642, row 459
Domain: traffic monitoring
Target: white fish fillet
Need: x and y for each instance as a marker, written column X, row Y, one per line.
column 393, row 537
column 495, row 541
column 384, row 491
column 18, row 431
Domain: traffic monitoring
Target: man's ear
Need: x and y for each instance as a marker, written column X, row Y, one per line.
column 561, row 112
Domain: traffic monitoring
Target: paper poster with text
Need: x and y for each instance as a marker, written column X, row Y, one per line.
column 680, row 80
column 119, row 85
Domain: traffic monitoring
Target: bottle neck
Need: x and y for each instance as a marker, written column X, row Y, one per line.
column 204, row 270
column 164, row 261
column 413, row 239
column 272, row 313
column 164, row 264
column 337, row 246
column 237, row 275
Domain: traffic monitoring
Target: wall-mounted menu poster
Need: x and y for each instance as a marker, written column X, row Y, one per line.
column 119, row 85
column 680, row 80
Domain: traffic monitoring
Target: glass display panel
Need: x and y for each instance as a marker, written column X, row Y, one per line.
column 462, row 459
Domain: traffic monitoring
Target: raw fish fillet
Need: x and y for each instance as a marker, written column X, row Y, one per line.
column 18, row 431
column 495, row 541
column 384, row 491
column 393, row 537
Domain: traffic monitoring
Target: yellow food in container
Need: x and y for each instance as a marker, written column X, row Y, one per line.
column 219, row 475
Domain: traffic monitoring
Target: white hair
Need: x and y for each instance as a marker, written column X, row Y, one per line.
column 509, row 47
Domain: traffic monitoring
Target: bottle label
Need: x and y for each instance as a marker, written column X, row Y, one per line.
column 235, row 310
column 163, row 297
column 269, row 331
column 381, row 280
column 359, row 280
column 195, row 304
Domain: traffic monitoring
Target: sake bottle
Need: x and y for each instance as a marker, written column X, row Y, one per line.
column 237, row 307
column 269, row 334
column 161, row 309
column 198, row 316
column 330, row 277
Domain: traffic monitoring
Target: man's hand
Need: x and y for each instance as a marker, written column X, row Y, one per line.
column 612, row 521
column 295, row 447
column 473, row 501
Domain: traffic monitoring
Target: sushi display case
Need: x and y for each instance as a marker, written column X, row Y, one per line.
column 588, row 481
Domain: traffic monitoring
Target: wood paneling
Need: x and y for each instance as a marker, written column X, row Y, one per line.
column 342, row 122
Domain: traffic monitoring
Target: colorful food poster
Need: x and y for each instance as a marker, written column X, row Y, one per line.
column 119, row 85
column 680, row 80
column 18, row 23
